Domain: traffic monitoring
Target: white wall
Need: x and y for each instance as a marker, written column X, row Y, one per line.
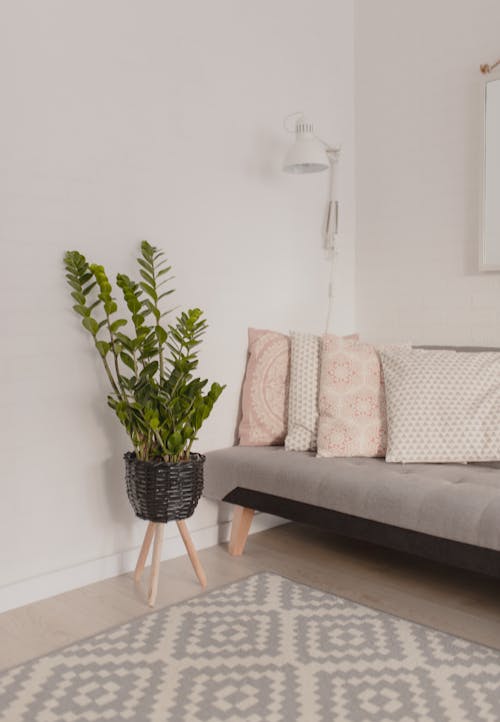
column 418, row 153
column 126, row 120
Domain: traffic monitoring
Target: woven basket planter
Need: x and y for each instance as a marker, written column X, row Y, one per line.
column 164, row 491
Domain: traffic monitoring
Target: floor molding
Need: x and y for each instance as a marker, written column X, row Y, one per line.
column 47, row 585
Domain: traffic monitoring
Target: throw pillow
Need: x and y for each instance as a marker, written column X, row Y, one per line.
column 352, row 415
column 265, row 389
column 304, row 387
column 442, row 406
column 303, row 396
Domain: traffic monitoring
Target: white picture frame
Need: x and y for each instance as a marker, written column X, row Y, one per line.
column 484, row 264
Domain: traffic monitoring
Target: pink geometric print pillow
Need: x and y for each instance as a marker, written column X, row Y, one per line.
column 265, row 389
column 352, row 409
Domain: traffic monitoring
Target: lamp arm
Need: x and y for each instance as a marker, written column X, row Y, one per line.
column 331, row 224
column 332, row 150
column 332, row 214
column 331, row 228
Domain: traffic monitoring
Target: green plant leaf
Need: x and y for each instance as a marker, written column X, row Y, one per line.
column 147, row 288
column 154, row 422
column 175, row 442
column 110, row 307
column 103, row 347
column 89, row 288
column 78, row 297
column 91, row 325
column 81, row 310
column 147, row 250
column 161, row 334
column 165, row 293
column 163, row 271
column 127, row 360
column 118, row 324
column 127, row 342
column 150, row 369
column 147, row 277
column 73, row 282
column 146, row 265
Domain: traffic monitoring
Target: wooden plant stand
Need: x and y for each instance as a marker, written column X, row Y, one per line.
column 156, row 530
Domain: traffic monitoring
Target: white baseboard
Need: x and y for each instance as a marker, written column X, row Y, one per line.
column 63, row 580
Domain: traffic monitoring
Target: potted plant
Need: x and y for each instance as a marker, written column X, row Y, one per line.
column 151, row 369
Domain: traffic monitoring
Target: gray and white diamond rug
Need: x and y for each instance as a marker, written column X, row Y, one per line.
column 264, row 649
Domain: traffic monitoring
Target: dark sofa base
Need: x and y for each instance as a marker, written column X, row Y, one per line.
column 464, row 556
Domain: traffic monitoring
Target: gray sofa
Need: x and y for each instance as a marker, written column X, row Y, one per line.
column 446, row 512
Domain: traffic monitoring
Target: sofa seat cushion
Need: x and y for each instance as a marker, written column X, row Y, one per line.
column 454, row 501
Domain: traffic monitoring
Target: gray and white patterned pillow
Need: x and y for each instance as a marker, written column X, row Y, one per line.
column 442, row 406
column 303, row 415
column 303, row 392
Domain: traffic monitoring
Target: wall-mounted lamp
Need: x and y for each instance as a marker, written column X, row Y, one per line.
column 310, row 154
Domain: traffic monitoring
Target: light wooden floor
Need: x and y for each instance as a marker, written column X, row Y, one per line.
column 464, row 604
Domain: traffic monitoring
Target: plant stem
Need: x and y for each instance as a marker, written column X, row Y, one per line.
column 115, row 356
column 160, row 346
column 110, row 376
column 160, row 442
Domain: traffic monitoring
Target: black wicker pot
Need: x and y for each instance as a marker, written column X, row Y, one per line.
column 164, row 491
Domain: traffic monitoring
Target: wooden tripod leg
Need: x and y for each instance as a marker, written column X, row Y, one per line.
column 143, row 555
column 193, row 554
column 242, row 520
column 155, row 567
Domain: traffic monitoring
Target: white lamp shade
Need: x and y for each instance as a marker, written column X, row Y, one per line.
column 307, row 154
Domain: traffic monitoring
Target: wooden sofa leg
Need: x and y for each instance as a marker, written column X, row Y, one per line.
column 242, row 520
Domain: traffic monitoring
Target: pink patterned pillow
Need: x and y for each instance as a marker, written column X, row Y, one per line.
column 265, row 389
column 352, row 413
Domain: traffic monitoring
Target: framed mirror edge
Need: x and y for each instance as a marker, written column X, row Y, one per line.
column 484, row 266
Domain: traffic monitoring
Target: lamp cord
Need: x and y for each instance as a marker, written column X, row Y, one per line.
column 331, row 232
column 331, row 293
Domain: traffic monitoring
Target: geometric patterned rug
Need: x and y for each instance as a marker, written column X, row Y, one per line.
column 264, row 649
